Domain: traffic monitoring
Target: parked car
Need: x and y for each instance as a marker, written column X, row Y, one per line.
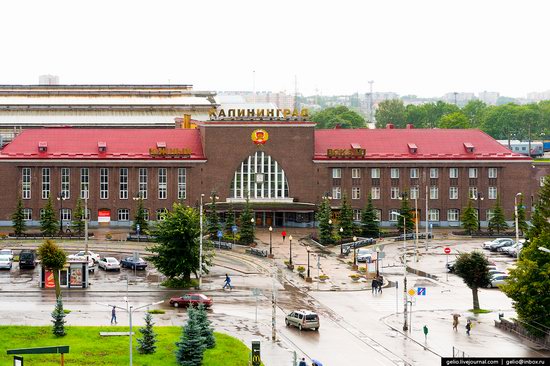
column 493, row 272
column 109, row 264
column 503, row 243
column 487, row 244
column 191, row 299
column 363, row 254
column 95, row 257
column 7, row 252
column 498, row 279
column 303, row 319
column 5, row 262
column 91, row 263
column 133, row 263
column 27, row 259
column 513, row 250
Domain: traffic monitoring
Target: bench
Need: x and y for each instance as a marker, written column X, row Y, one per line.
column 114, row 334
column 258, row 252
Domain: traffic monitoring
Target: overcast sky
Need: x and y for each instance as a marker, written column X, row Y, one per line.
column 420, row 47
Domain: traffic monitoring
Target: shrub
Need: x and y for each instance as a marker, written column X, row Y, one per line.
column 301, row 269
column 180, row 283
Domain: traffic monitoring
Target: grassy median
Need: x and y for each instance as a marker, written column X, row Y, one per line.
column 87, row 347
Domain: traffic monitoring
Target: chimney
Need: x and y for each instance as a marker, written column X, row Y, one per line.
column 410, row 126
column 186, row 121
column 390, row 126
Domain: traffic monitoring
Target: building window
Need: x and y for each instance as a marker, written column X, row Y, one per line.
column 123, row 183
column 42, row 212
column 434, row 192
column 356, row 215
column 378, row 214
column 336, row 193
column 414, row 172
column 472, row 172
column 434, row 172
column 182, row 188
column 453, row 214
column 375, row 173
column 453, row 193
column 472, row 193
column 26, row 183
column 394, row 193
column 66, row 214
column 161, row 214
column 336, row 173
column 123, row 214
column 375, row 193
column 489, row 214
column 46, row 180
column 355, row 193
column 143, row 183
column 394, row 173
column 453, row 172
column 103, row 183
column 146, row 214
column 88, row 214
column 260, row 176
column 492, row 193
column 27, row 214
column 492, row 172
column 433, row 214
column 66, row 183
column 414, row 193
column 84, row 183
column 394, row 215
column 355, row 173
column 163, row 182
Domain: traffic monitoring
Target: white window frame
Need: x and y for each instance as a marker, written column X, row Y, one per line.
column 492, row 193
column 162, row 183
column 394, row 173
column 393, row 215
column 123, row 214
column 453, row 172
column 375, row 173
column 260, row 176
column 146, row 214
column 26, row 183
column 46, row 183
column 414, row 192
column 489, row 214
column 492, row 172
column 336, row 173
column 160, row 214
column 336, row 193
column 434, row 192
column 433, row 214
column 414, row 173
column 84, row 183
column 375, row 193
column 66, row 214
column 434, row 173
column 394, row 193
column 355, row 193
column 103, row 183
column 27, row 214
column 472, row 173
column 453, row 215
column 355, row 173
column 143, row 180
column 453, row 193
column 472, row 192
column 182, row 183
column 65, row 182
column 356, row 215
column 377, row 215
column 123, row 183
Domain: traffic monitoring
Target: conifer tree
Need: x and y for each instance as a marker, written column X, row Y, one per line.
column 78, row 218
column 346, row 218
column 469, row 218
column 498, row 221
column 324, row 214
column 139, row 219
column 18, row 219
column 540, row 218
column 205, row 327
column 247, row 226
column 369, row 225
column 190, row 348
column 146, row 344
column 58, row 321
column 229, row 220
column 213, row 219
column 48, row 222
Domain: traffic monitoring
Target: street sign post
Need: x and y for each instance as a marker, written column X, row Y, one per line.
column 220, row 234
column 421, row 291
column 447, row 251
column 234, row 229
column 412, row 292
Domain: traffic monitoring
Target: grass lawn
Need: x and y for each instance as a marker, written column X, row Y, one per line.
column 88, row 348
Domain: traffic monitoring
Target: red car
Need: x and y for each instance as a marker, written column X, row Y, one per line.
column 191, row 299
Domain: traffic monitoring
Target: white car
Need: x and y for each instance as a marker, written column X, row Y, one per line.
column 91, row 263
column 363, row 254
column 487, row 244
column 7, row 252
column 95, row 257
column 109, row 264
column 5, row 262
column 494, row 272
column 498, row 279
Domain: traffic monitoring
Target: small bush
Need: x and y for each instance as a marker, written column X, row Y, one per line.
column 323, row 277
column 362, row 269
column 354, row 276
column 301, row 269
column 108, row 236
column 180, row 283
column 66, row 311
column 156, row 311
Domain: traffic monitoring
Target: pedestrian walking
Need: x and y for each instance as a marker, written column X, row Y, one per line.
column 113, row 316
column 468, row 326
column 455, row 322
column 227, row 282
column 374, row 285
column 380, row 283
column 302, row 362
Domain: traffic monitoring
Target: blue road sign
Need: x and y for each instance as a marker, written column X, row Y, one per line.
column 220, row 234
column 421, row 291
column 234, row 228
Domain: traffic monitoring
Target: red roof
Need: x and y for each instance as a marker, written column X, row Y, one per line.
column 395, row 144
column 76, row 143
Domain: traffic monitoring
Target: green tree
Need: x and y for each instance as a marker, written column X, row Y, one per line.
column 469, row 218
column 148, row 340
column 58, row 321
column 53, row 258
column 247, row 224
column 369, row 224
column 78, row 218
column 48, row 221
column 522, row 221
column 206, row 330
column 338, row 116
column 229, row 220
column 498, row 221
column 391, row 111
column 540, row 220
column 454, row 120
column 474, row 111
column 18, row 219
column 326, row 230
column 472, row 267
column 190, row 348
column 346, row 218
column 139, row 218
column 405, row 210
column 176, row 252
column 213, row 219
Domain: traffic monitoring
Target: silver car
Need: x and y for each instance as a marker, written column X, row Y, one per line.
column 303, row 319
column 109, row 264
column 363, row 255
column 498, row 279
column 5, row 262
column 7, row 252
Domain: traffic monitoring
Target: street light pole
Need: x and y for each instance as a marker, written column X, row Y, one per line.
column 479, row 198
column 341, row 242
column 426, row 213
column 61, row 198
column 308, row 251
column 405, row 321
column 416, row 228
column 517, row 219
column 290, row 259
column 200, row 242
column 270, row 242
column 86, row 224
column 354, row 254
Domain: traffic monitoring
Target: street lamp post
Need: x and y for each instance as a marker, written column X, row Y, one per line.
column 270, row 242
column 405, row 323
column 341, row 242
column 290, row 249
column 61, row 198
column 354, row 267
column 308, row 278
column 517, row 219
column 200, row 241
column 86, row 218
column 479, row 198
column 377, row 259
column 138, row 229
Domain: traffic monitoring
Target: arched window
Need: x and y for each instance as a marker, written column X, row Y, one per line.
column 259, row 176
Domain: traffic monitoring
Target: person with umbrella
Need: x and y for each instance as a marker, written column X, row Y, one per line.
column 316, row 363
column 455, row 321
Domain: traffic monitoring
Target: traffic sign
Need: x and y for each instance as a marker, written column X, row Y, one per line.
column 234, row 228
column 447, row 250
column 220, row 234
column 412, row 292
column 421, row 291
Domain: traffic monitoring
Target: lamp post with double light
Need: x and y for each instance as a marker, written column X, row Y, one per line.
column 270, row 242
column 354, row 267
column 405, row 310
column 479, row 197
column 308, row 278
column 516, row 218
column 341, row 242
column 200, row 240
column 290, row 250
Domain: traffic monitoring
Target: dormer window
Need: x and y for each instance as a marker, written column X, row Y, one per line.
column 469, row 147
column 412, row 148
column 102, row 147
column 161, row 145
column 42, row 146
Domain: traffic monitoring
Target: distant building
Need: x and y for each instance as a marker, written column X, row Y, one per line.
column 281, row 99
column 538, row 96
column 490, row 98
column 460, row 99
